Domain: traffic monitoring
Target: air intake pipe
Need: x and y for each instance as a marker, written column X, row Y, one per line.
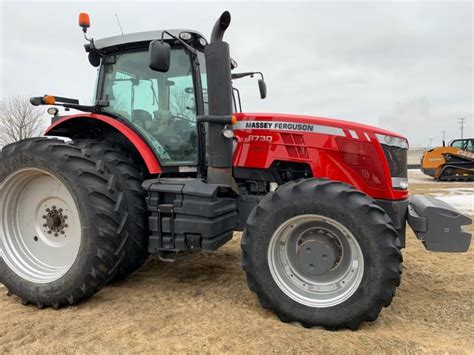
column 219, row 87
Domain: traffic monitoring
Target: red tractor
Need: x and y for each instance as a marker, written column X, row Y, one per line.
column 165, row 161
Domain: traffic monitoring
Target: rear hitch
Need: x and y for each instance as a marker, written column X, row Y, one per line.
column 438, row 225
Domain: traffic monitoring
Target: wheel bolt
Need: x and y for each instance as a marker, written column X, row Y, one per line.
column 44, row 217
column 45, row 225
column 65, row 217
column 47, row 210
column 65, row 226
column 49, row 232
column 56, row 234
column 54, row 207
column 60, row 210
column 62, row 232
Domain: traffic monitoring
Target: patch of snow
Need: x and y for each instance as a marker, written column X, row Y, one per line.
column 463, row 203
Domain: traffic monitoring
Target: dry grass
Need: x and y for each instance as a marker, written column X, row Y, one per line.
column 201, row 304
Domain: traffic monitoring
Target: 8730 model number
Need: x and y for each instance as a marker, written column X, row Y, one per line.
column 253, row 138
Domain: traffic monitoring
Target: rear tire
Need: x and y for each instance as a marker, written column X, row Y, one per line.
column 129, row 179
column 321, row 253
column 55, row 201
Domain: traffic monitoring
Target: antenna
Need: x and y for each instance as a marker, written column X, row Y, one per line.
column 443, row 132
column 118, row 21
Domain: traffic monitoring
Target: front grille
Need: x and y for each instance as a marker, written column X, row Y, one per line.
column 397, row 160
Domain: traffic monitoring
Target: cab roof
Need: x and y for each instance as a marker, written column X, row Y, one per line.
column 136, row 39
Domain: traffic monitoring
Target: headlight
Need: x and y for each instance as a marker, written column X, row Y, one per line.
column 393, row 141
column 400, row 183
column 228, row 133
column 185, row 36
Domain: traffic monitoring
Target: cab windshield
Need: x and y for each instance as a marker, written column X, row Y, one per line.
column 162, row 106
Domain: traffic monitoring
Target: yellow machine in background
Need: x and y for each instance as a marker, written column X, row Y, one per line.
column 452, row 163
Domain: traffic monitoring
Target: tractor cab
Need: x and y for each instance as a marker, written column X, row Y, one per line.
column 171, row 88
column 162, row 106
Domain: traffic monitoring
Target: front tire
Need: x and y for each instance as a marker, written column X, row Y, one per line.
column 321, row 253
column 62, row 234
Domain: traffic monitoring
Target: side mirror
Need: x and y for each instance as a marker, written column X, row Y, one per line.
column 94, row 59
column 263, row 88
column 160, row 53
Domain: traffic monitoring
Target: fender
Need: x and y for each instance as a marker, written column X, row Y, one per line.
column 133, row 137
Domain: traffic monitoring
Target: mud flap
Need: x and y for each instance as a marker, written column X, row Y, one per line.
column 438, row 225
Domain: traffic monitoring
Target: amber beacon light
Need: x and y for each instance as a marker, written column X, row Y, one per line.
column 84, row 21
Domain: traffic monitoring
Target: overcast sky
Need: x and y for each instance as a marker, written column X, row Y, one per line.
column 403, row 66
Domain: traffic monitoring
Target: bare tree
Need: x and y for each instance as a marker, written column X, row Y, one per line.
column 19, row 120
column 181, row 102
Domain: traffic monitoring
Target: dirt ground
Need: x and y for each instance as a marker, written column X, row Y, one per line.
column 201, row 303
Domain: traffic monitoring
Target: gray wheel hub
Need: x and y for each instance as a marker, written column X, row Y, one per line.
column 40, row 229
column 318, row 255
column 315, row 260
column 55, row 221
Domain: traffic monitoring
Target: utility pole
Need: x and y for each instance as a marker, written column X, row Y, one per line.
column 431, row 141
column 461, row 122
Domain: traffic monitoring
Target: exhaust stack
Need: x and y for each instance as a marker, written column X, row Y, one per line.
column 219, row 88
column 220, row 26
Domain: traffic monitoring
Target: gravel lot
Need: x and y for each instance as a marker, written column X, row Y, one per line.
column 201, row 303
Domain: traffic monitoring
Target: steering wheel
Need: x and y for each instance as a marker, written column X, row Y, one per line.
column 184, row 118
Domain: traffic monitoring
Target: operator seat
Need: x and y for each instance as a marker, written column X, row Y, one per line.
column 163, row 119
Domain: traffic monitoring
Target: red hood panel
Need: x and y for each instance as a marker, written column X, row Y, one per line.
column 333, row 149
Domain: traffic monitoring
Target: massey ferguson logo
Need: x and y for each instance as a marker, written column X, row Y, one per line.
column 279, row 125
column 289, row 126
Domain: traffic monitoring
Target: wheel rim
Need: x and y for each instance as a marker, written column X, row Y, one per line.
column 315, row 260
column 40, row 231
